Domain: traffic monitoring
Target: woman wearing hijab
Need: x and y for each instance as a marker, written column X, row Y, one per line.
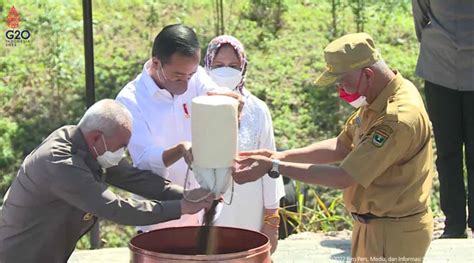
column 254, row 205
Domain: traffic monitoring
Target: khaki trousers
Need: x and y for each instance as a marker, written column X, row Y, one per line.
column 392, row 240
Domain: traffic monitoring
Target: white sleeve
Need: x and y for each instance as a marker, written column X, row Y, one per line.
column 273, row 189
column 146, row 155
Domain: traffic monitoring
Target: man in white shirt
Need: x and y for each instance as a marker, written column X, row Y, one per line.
column 160, row 102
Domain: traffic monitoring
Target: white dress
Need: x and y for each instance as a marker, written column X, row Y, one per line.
column 249, row 200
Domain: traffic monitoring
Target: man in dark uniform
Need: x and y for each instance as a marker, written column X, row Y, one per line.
column 384, row 151
column 445, row 30
column 61, row 189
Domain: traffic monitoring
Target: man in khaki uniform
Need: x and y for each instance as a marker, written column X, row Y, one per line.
column 384, row 154
column 61, row 188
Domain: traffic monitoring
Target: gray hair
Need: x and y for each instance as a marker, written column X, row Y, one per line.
column 380, row 66
column 106, row 116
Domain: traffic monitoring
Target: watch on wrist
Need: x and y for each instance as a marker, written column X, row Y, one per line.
column 274, row 172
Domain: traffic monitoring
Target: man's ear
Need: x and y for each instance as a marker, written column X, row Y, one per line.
column 93, row 136
column 91, row 139
column 369, row 73
column 156, row 62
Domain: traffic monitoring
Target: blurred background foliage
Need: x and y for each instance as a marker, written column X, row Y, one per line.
column 42, row 82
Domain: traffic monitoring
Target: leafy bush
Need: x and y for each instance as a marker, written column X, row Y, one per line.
column 42, row 83
column 8, row 157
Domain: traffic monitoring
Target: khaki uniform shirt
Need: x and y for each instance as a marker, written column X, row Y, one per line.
column 59, row 191
column 391, row 157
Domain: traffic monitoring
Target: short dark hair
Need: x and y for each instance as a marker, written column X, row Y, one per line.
column 175, row 38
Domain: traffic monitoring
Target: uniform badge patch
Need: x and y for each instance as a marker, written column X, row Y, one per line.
column 381, row 135
column 378, row 139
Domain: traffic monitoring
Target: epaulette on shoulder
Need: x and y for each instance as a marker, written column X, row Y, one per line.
column 390, row 114
column 392, row 110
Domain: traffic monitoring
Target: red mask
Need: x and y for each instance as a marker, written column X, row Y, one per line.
column 356, row 100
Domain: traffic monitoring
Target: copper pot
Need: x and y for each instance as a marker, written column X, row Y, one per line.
column 179, row 245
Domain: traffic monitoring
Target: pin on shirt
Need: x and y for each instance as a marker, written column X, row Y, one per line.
column 358, row 121
column 186, row 111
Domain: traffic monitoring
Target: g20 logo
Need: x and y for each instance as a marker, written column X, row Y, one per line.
column 17, row 34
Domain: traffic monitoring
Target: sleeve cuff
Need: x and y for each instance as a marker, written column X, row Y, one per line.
column 345, row 140
column 169, row 210
column 273, row 205
column 174, row 192
column 351, row 170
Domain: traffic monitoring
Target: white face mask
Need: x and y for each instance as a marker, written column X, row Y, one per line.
column 359, row 102
column 226, row 77
column 109, row 159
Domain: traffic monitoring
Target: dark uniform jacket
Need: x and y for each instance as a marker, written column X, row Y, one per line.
column 59, row 192
column 445, row 30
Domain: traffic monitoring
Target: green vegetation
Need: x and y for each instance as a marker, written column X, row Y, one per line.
column 42, row 82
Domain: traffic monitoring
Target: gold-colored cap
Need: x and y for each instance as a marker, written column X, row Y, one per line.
column 347, row 53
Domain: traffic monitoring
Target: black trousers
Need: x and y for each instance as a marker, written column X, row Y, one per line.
column 452, row 115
